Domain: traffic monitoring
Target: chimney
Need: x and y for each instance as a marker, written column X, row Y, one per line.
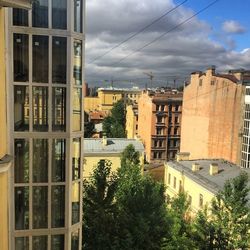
column 195, row 167
column 214, row 169
column 211, row 70
column 182, row 156
column 104, row 140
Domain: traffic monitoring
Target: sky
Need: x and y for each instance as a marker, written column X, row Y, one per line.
column 218, row 36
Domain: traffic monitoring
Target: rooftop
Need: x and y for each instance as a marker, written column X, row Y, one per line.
column 114, row 145
column 213, row 183
column 133, row 89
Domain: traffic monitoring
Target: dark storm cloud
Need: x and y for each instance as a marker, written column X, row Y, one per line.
column 186, row 49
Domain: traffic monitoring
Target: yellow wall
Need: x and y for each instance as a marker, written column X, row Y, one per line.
column 108, row 99
column 189, row 186
column 3, row 129
column 91, row 161
column 91, row 103
column 4, row 211
column 130, row 122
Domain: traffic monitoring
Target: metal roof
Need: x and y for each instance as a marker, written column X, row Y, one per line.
column 114, row 145
column 214, row 183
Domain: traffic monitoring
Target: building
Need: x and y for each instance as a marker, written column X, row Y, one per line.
column 215, row 117
column 159, row 124
column 200, row 179
column 44, row 75
column 107, row 97
column 97, row 116
column 132, row 121
column 107, row 149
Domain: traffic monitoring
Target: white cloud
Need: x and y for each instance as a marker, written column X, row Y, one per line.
column 186, row 49
column 232, row 26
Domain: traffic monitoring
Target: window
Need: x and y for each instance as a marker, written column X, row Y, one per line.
column 40, row 208
column 159, row 119
column 59, row 14
column 21, row 208
column 59, row 59
column 21, row 57
column 40, row 108
column 162, row 107
column 157, row 108
column 78, row 6
column 170, row 119
column 59, row 104
column 40, row 60
column 175, row 131
column 20, row 17
column 176, row 119
column 159, row 131
column 40, row 13
column 21, row 161
column 57, row 206
column 75, row 240
column 77, row 109
column 169, row 179
column 40, row 160
column 57, row 242
column 200, row 82
column 190, row 199
column 21, row 108
column 174, row 182
column 22, row 243
column 75, row 203
column 77, row 62
column 160, row 143
column 76, row 151
column 40, row 242
column 180, row 186
column 58, row 160
column 155, row 143
column 201, row 200
column 212, row 82
column 159, row 155
column 177, row 108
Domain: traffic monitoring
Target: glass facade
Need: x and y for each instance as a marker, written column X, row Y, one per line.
column 59, row 59
column 21, row 108
column 46, row 115
column 21, row 57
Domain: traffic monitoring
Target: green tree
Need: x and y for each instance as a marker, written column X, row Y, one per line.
column 89, row 128
column 130, row 157
column 114, row 124
column 99, row 210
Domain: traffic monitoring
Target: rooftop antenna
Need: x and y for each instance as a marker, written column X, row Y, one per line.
column 151, row 76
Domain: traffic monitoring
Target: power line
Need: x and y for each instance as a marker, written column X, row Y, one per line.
column 138, row 32
column 165, row 33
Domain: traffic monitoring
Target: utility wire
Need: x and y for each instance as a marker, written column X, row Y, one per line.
column 165, row 33
column 138, row 32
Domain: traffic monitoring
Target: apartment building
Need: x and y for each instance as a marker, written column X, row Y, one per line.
column 44, row 75
column 159, row 124
column 132, row 121
column 215, row 117
column 199, row 179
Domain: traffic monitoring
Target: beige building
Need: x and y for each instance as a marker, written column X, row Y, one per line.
column 159, row 124
column 107, row 149
column 215, row 117
column 200, row 179
column 132, row 121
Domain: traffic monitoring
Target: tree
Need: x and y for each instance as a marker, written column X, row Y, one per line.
column 99, row 210
column 228, row 223
column 89, row 128
column 114, row 124
column 143, row 221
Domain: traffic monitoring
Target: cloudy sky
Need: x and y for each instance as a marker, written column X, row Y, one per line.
column 218, row 36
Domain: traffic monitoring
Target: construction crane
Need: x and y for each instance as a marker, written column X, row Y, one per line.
column 151, row 76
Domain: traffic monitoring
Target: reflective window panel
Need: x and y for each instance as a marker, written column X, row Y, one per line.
column 40, row 208
column 20, row 17
column 21, row 108
column 40, row 13
column 21, row 208
column 58, row 160
column 77, row 62
column 40, row 61
column 40, row 242
column 21, row 161
column 21, row 57
column 75, row 203
column 40, row 160
column 22, row 243
column 57, row 206
column 78, row 15
column 59, row 109
column 59, row 59
column 40, row 108
column 57, row 242
column 75, row 240
column 76, row 158
column 77, row 108
column 59, row 14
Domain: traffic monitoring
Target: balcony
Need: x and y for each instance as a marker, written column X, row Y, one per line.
column 24, row 4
